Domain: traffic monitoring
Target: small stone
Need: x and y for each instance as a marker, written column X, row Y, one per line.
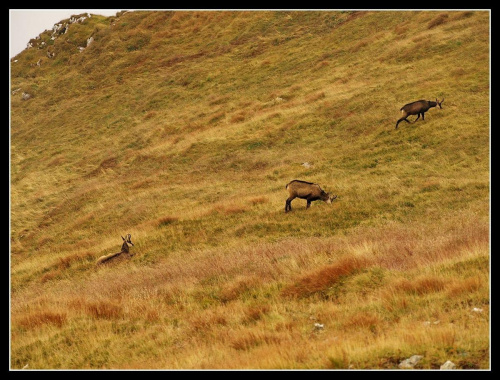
column 448, row 365
column 477, row 310
column 410, row 362
column 428, row 323
column 319, row 326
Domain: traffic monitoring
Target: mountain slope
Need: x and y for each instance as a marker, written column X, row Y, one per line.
column 183, row 128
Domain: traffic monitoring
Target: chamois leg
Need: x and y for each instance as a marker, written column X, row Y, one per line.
column 405, row 115
column 400, row 120
column 288, row 204
column 308, row 204
column 423, row 113
column 418, row 117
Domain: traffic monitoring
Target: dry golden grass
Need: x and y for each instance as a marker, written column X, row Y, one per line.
column 183, row 128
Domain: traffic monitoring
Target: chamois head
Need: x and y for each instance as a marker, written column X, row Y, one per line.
column 327, row 197
column 439, row 103
column 127, row 240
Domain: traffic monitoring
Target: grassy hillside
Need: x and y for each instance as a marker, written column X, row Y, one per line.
column 183, row 128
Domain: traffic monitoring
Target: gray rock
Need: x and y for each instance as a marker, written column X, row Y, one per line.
column 410, row 362
column 448, row 365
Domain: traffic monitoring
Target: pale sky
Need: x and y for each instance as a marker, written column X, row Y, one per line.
column 25, row 24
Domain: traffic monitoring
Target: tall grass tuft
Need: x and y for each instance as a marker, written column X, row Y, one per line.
column 324, row 277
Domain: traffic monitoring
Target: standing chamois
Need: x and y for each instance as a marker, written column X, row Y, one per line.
column 420, row 107
column 125, row 250
column 306, row 190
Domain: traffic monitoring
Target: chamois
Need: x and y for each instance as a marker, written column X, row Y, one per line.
column 125, row 250
column 306, row 190
column 420, row 107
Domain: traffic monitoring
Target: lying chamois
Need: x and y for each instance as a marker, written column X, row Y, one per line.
column 125, row 250
column 306, row 190
column 420, row 107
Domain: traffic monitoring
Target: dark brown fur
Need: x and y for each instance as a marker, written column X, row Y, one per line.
column 420, row 107
column 306, row 190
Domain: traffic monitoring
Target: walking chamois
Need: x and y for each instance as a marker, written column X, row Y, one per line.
column 420, row 107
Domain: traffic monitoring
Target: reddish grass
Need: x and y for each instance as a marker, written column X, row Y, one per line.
column 461, row 15
column 108, row 163
column 239, row 117
column 438, row 20
column 235, row 289
column 66, row 261
column 103, row 310
column 421, row 285
column 42, row 317
column 50, row 275
column 216, row 100
column 230, row 209
column 258, row 200
column 318, row 280
column 166, row 220
column 363, row 320
column 217, row 117
column 255, row 313
column 207, row 321
column 249, row 340
column 58, row 160
column 286, row 326
column 321, row 65
column 400, row 29
column 152, row 316
column 468, row 285
column 146, row 183
column 359, row 45
column 313, row 97
column 150, row 115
